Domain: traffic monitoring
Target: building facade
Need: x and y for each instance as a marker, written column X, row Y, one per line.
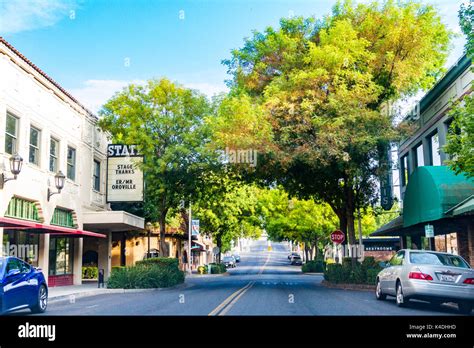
column 433, row 197
column 53, row 134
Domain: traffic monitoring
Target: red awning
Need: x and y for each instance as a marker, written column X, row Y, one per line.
column 17, row 224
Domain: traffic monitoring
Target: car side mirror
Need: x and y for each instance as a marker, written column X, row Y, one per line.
column 12, row 273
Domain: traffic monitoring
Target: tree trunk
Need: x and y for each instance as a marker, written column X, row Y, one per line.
column 163, row 245
column 219, row 245
column 350, row 210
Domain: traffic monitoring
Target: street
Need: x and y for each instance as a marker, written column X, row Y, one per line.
column 263, row 283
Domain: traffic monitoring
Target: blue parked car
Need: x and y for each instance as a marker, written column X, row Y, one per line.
column 21, row 286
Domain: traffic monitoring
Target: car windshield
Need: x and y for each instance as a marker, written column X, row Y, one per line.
column 438, row 259
column 296, row 257
column 228, row 258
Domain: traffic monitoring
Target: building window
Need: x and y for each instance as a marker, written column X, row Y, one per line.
column 63, row 217
column 53, row 155
column 404, row 170
column 434, row 147
column 61, row 255
column 96, row 175
column 22, row 209
column 71, row 163
column 420, row 160
column 35, row 139
column 11, row 134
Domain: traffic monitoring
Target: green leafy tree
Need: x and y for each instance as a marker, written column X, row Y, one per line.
column 166, row 121
column 227, row 208
column 322, row 85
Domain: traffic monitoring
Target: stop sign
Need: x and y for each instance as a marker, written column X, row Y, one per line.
column 337, row 237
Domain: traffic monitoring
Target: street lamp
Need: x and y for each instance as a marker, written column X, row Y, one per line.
column 59, row 183
column 16, row 162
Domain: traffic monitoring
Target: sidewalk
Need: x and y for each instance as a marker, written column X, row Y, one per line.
column 72, row 292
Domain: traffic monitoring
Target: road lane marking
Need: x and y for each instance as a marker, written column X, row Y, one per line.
column 229, row 299
column 234, row 301
column 264, row 265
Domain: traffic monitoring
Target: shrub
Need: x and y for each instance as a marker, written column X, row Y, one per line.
column 358, row 274
column 202, row 270
column 369, row 262
column 334, row 273
column 372, row 275
column 217, row 268
column 89, row 272
column 163, row 261
column 313, row 266
column 150, row 273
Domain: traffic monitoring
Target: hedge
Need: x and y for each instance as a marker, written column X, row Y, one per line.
column 313, row 266
column 363, row 273
column 163, row 261
column 217, row 268
column 151, row 273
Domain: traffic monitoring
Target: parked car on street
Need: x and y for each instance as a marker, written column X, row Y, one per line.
column 229, row 261
column 22, row 286
column 151, row 254
column 296, row 260
column 236, row 257
column 292, row 254
column 427, row 275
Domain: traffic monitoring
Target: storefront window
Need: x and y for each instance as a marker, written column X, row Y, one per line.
column 435, row 156
column 23, row 245
column 61, row 255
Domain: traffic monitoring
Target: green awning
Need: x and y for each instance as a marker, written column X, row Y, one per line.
column 431, row 192
column 463, row 208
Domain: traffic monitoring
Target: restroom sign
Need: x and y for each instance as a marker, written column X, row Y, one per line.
column 124, row 174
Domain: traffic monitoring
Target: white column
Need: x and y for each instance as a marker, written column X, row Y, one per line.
column 43, row 257
column 77, row 263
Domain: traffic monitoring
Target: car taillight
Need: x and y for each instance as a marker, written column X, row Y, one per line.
column 469, row 281
column 419, row 275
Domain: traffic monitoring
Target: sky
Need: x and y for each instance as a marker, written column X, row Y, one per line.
column 93, row 48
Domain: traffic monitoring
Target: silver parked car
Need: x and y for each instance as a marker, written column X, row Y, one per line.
column 427, row 275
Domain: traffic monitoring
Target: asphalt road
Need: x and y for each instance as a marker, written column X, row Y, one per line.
column 263, row 283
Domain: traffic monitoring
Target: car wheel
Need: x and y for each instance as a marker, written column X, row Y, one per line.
column 379, row 295
column 400, row 297
column 42, row 302
column 465, row 307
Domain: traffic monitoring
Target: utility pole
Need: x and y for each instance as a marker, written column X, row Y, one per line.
column 189, row 237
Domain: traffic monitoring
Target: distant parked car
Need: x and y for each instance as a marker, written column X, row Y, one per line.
column 292, row 254
column 22, row 286
column 427, row 275
column 152, row 253
column 236, row 257
column 229, row 261
column 296, row 260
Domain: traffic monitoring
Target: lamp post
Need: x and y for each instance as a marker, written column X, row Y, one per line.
column 59, row 179
column 16, row 162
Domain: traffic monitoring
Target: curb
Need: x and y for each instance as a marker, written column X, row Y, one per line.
column 105, row 291
column 198, row 276
column 313, row 273
column 353, row 287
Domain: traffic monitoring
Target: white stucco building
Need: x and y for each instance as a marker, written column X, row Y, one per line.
column 53, row 132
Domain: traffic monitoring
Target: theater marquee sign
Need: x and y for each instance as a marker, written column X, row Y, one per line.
column 124, row 176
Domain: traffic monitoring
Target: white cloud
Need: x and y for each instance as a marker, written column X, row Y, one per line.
column 24, row 15
column 95, row 93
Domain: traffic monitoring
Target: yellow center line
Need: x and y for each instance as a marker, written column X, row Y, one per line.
column 234, row 301
column 229, row 299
